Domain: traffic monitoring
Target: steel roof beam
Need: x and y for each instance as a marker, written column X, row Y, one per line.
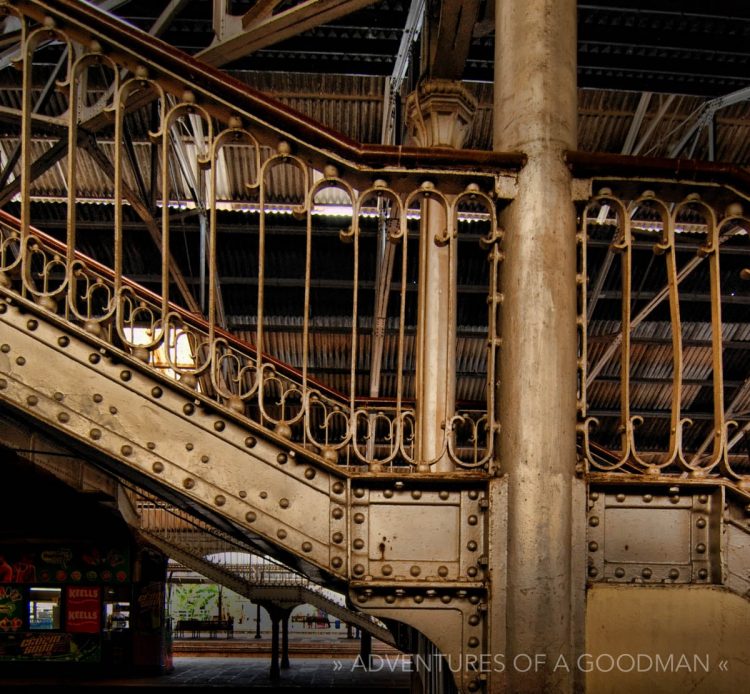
column 236, row 41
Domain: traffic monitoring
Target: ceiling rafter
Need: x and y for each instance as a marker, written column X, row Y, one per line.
column 234, row 40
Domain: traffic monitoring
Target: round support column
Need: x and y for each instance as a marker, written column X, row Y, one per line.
column 439, row 114
column 535, row 112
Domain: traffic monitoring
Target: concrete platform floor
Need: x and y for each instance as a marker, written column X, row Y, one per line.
column 334, row 673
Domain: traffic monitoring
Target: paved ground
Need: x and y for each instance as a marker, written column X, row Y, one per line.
column 305, row 674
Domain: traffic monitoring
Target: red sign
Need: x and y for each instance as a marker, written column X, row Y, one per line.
column 84, row 609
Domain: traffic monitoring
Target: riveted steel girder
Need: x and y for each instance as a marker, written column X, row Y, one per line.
column 411, row 548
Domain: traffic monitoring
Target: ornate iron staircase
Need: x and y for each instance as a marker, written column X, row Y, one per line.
column 376, row 496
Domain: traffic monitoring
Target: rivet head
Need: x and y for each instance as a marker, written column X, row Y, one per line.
column 20, row 361
column 648, row 498
column 204, row 458
column 338, row 487
column 415, row 571
column 126, row 449
column 337, row 513
column 386, row 570
column 338, row 538
column 359, row 518
column 473, row 642
column 188, row 408
column 95, row 434
column 390, row 599
column 284, row 503
column 620, row 497
column 473, row 520
column 96, row 397
column 474, row 599
column 416, row 494
column 112, row 409
column 251, row 516
column 5, row 348
column 242, row 494
column 472, row 571
column 703, row 574
column 189, row 446
column 63, row 417
column 443, row 494
column 594, row 496
column 32, row 324
column 156, row 392
column 251, row 441
column 446, row 598
column 158, row 467
column 593, row 546
column 703, row 498
column 701, row 523
column 647, row 573
column 700, row 548
column 358, row 569
column 619, row 572
column 32, row 400
column 443, row 571
column 220, row 500
column 359, row 493
column 593, row 571
column 473, row 620
column 283, row 430
column 188, row 483
column 58, row 396
column 399, row 485
column 471, row 546
column 310, row 473
column 63, row 341
column 307, row 546
column 594, row 521
column 281, row 458
column 674, row 574
column 263, row 495
column 219, row 425
column 359, row 543
column 3, row 384
column 419, row 599
column 337, row 562
column 126, row 375
column 94, row 358
column 281, row 534
column 473, row 494
column 387, row 493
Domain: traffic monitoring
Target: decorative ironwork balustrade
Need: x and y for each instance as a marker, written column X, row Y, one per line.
column 666, row 318
column 208, row 144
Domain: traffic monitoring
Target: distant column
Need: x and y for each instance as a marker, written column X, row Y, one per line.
column 365, row 648
column 275, row 670
column 285, row 640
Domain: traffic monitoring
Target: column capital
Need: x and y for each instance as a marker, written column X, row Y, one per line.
column 439, row 113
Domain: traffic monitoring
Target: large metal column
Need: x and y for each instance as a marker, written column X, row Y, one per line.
column 439, row 114
column 535, row 112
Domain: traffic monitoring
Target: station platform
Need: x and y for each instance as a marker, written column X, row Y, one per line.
column 334, row 672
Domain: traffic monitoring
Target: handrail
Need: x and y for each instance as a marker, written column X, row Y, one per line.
column 604, row 164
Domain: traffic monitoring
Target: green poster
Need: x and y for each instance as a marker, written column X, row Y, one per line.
column 11, row 609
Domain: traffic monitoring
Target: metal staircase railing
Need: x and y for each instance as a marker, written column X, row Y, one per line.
column 215, row 127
